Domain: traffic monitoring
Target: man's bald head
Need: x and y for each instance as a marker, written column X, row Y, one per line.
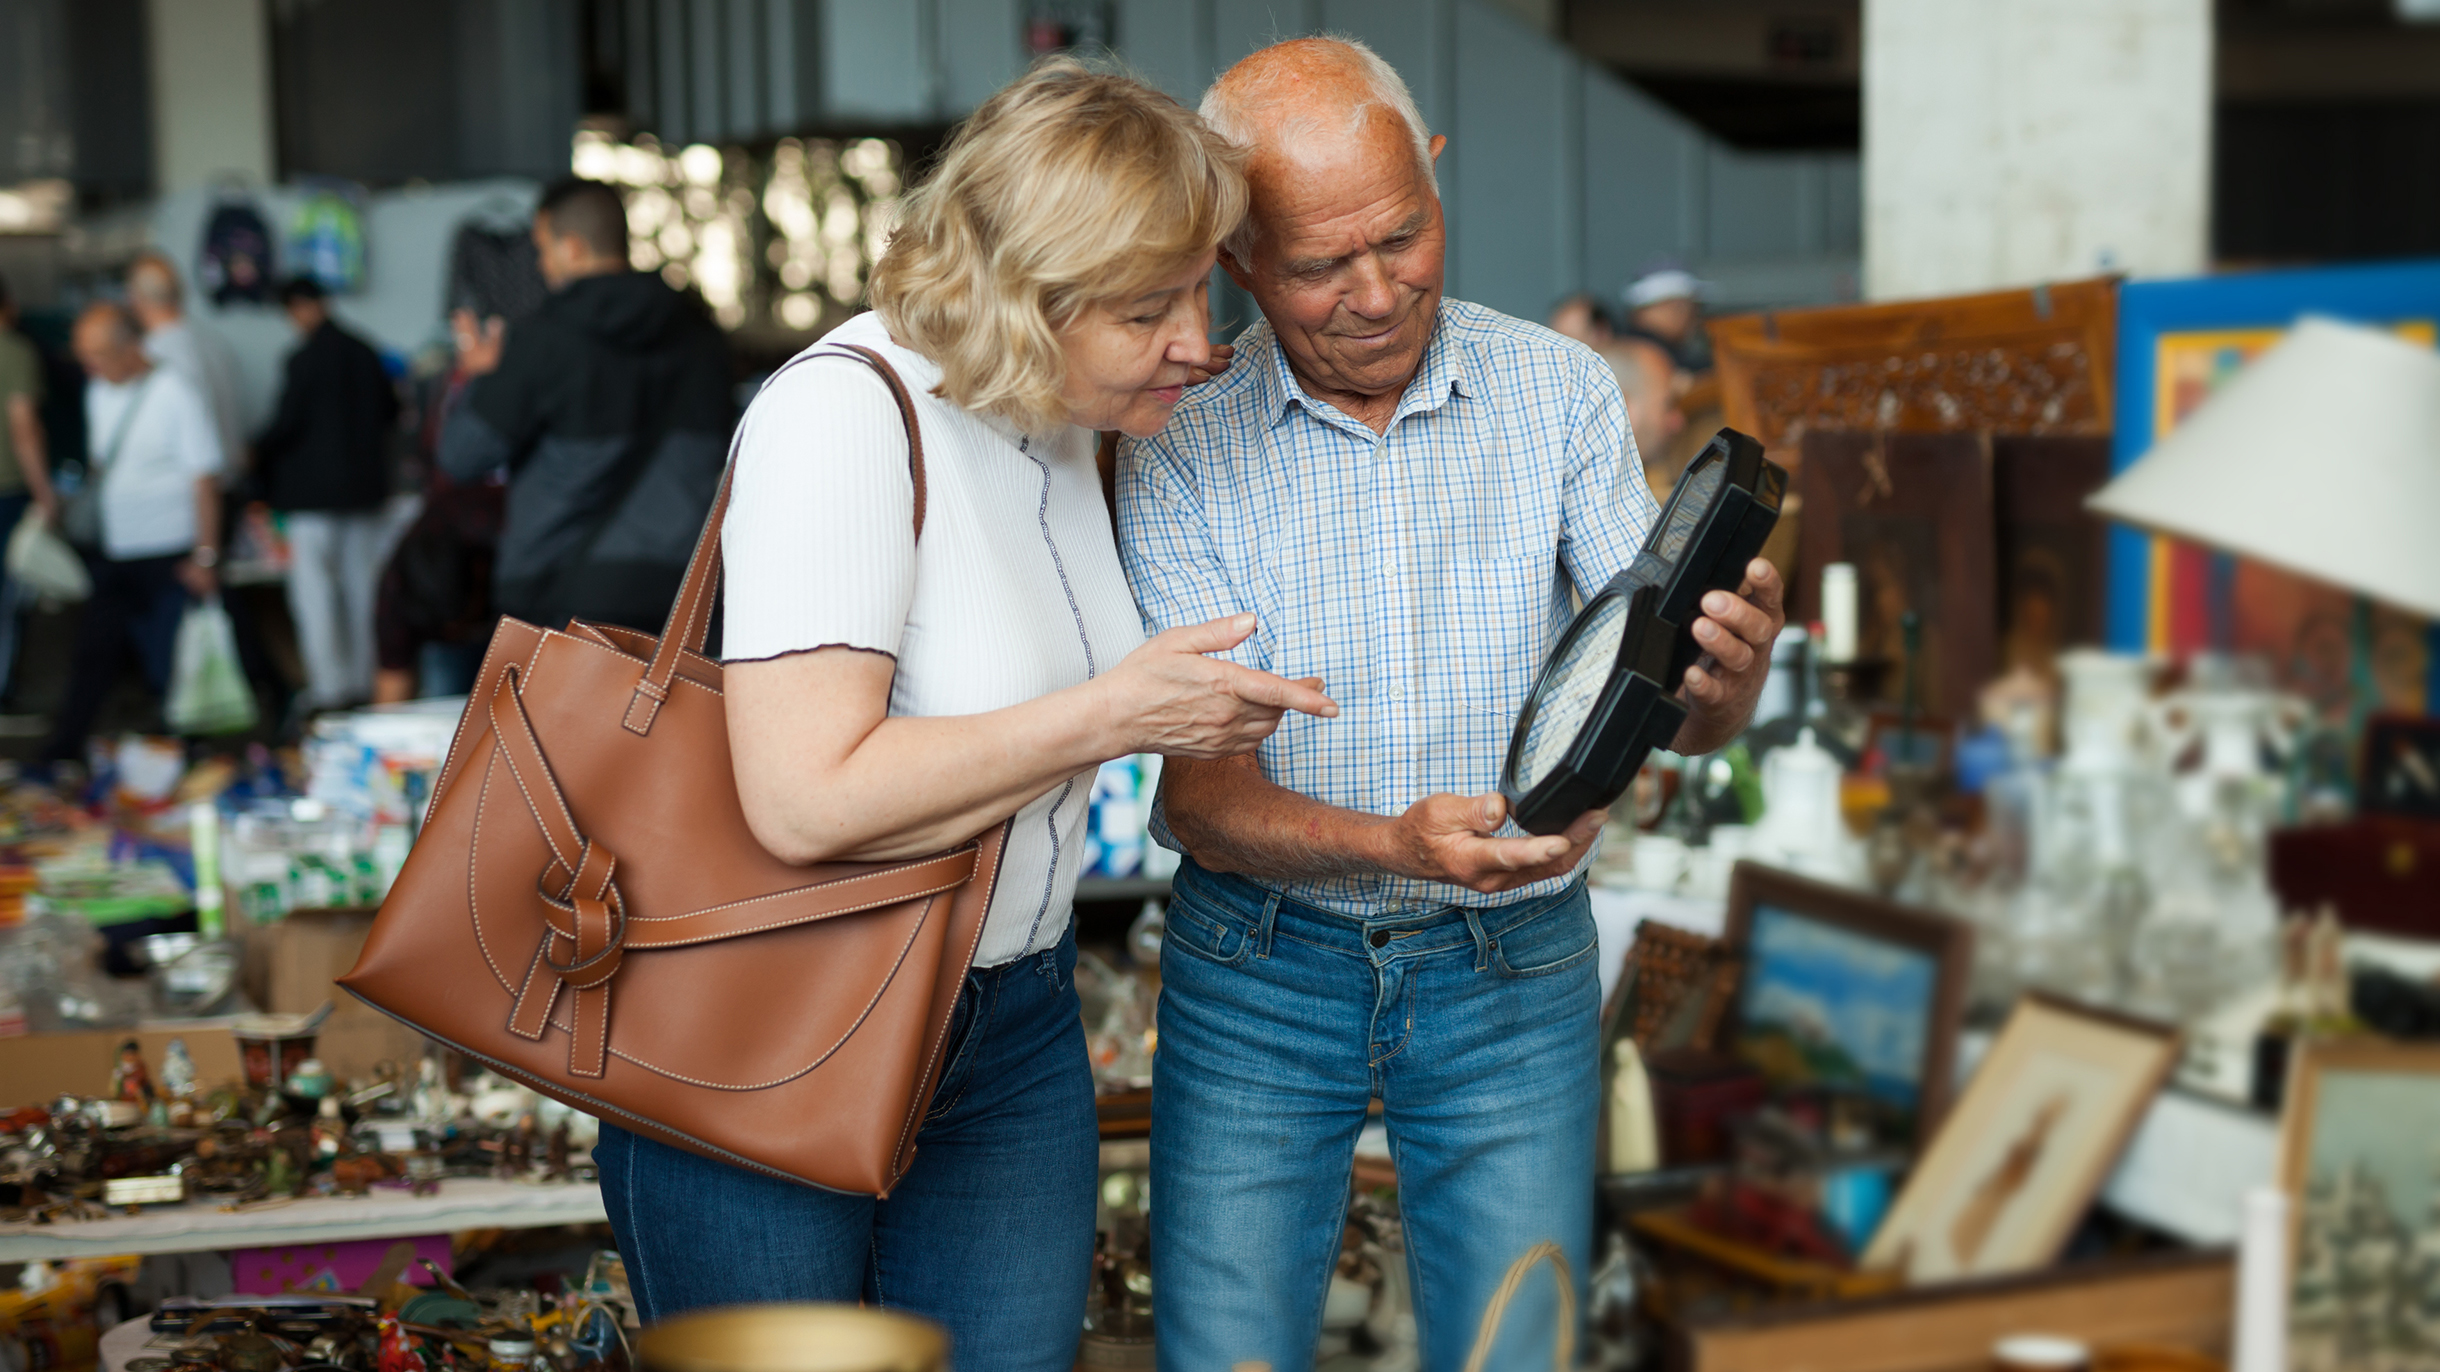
column 154, row 291
column 1291, row 95
column 109, row 343
column 1343, row 246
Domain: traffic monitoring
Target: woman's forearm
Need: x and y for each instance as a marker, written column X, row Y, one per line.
column 819, row 784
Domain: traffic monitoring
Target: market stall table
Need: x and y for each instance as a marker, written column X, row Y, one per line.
column 461, row 1203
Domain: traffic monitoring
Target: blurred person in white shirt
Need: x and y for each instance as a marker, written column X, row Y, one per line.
column 203, row 358
column 155, row 460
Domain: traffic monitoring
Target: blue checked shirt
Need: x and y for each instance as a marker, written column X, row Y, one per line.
column 1422, row 574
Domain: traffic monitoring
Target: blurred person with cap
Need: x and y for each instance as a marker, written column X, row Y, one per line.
column 323, row 463
column 1650, row 381
column 1585, row 318
column 157, row 297
column 156, row 465
column 1403, row 489
column 610, row 407
column 25, row 468
column 1665, row 306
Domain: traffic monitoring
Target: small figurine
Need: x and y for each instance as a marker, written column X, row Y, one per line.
column 517, row 1148
column 131, row 1080
column 280, row 1176
column 430, row 1099
column 555, row 1155
column 178, row 1069
column 311, row 1080
column 329, row 1128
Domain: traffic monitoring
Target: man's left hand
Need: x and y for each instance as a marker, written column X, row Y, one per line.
column 1735, row 633
column 201, row 582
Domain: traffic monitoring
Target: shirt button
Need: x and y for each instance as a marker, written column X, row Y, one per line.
column 1380, row 938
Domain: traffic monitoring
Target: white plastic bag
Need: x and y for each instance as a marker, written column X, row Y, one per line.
column 44, row 566
column 208, row 693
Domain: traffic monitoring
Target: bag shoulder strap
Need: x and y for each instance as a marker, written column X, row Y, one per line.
column 690, row 617
column 127, row 421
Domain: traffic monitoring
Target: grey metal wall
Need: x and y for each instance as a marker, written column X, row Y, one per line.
column 74, row 99
column 1559, row 176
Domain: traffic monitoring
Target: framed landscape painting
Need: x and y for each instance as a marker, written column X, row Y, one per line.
column 1848, row 995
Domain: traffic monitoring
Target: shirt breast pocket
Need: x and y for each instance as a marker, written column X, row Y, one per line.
column 1494, row 615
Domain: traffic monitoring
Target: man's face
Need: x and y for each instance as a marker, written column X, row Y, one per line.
column 1670, row 319
column 307, row 315
column 101, row 352
column 1347, row 257
column 563, row 259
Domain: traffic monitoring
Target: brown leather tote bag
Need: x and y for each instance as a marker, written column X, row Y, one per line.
column 585, row 910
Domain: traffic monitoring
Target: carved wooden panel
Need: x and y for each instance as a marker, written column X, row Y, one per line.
column 2011, row 362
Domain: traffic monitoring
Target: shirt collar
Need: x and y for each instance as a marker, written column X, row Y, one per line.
column 1442, row 373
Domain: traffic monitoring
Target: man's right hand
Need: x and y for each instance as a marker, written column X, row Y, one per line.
column 478, row 344
column 1453, row 839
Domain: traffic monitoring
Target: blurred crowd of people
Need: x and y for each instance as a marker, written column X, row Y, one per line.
column 1651, row 333
column 556, row 466
column 552, row 466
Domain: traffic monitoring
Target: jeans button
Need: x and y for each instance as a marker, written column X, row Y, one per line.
column 1380, row 938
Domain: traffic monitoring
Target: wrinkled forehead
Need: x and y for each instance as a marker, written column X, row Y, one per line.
column 1334, row 178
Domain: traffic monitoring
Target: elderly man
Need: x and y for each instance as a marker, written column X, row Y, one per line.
column 156, row 462
column 1401, row 488
column 157, row 298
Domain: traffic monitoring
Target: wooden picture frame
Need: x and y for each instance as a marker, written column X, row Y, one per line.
column 2314, row 1257
column 2028, row 1145
column 1946, row 943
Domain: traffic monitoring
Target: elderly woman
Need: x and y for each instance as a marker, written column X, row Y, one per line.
column 890, row 695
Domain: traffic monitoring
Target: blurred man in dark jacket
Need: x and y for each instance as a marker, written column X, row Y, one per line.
column 611, row 410
column 324, row 463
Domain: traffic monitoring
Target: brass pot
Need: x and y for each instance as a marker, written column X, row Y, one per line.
column 794, row 1338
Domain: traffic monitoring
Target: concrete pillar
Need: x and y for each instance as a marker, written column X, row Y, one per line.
column 211, row 89
column 2008, row 142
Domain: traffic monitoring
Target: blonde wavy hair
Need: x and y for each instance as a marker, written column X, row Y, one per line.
column 1070, row 188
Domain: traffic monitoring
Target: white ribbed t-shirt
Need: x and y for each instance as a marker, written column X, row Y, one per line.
column 1014, row 592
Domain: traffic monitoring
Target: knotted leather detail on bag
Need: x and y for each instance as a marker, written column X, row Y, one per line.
column 587, row 911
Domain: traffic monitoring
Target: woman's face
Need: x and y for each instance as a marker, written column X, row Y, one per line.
column 1128, row 360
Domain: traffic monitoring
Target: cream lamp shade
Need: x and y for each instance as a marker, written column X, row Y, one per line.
column 2322, row 457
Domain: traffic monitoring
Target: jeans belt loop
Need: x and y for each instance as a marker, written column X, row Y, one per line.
column 1482, row 941
column 1262, row 931
column 1047, row 963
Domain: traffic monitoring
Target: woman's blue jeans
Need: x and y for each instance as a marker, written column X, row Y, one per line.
column 990, row 1233
column 1478, row 1032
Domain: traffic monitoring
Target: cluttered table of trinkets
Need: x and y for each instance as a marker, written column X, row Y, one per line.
column 200, row 1225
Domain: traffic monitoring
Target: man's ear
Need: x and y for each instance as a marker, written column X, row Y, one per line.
column 1439, row 141
column 1237, row 271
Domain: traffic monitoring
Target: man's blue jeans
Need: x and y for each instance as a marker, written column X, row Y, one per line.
column 990, row 1233
column 1478, row 1031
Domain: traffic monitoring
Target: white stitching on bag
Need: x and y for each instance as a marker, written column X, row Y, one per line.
column 895, row 966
